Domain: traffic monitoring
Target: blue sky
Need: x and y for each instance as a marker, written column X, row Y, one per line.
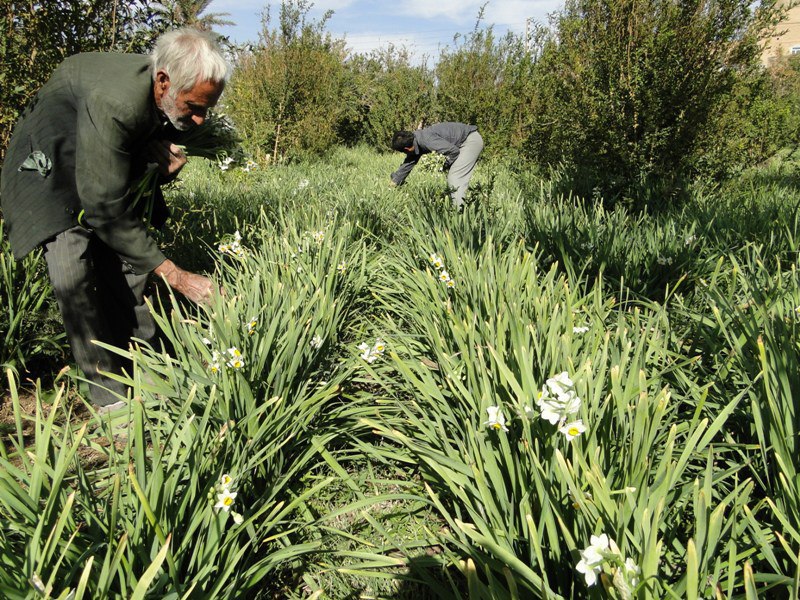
column 423, row 26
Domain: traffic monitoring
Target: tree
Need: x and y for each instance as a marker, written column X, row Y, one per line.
column 187, row 13
column 37, row 36
column 290, row 95
column 627, row 87
column 489, row 82
column 392, row 94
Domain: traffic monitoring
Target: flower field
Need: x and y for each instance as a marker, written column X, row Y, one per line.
column 537, row 397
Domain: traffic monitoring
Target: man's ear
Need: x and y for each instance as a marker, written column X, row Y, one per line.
column 162, row 81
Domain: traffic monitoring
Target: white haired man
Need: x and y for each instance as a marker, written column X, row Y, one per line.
column 66, row 186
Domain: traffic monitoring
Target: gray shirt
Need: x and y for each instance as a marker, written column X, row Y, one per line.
column 444, row 138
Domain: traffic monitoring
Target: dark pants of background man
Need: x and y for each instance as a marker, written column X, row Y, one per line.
column 100, row 299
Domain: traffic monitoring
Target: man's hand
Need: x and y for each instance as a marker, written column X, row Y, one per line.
column 195, row 287
column 169, row 157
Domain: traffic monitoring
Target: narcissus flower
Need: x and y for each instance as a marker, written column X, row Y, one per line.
column 225, row 481
column 341, row 268
column 560, row 384
column 600, row 549
column 372, row 353
column 234, row 247
column 557, row 400
column 236, row 360
column 573, row 429
column 213, row 366
column 436, row 260
column 316, row 342
column 225, row 499
column 319, row 236
column 237, row 518
column 632, row 572
column 496, row 418
column 251, row 326
column 225, row 163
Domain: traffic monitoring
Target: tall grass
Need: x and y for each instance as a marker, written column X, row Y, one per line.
column 372, row 381
column 27, row 324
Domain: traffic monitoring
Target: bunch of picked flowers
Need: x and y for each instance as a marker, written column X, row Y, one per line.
column 216, row 139
column 432, row 162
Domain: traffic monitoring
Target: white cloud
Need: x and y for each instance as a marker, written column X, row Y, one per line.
column 421, row 25
column 419, row 44
column 506, row 13
column 513, row 13
column 320, row 6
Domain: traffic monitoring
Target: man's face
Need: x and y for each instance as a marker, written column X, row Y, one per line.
column 186, row 109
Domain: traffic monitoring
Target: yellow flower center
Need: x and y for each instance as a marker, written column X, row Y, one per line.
column 574, row 431
column 227, row 501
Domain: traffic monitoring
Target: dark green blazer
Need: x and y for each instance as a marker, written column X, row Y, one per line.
column 91, row 120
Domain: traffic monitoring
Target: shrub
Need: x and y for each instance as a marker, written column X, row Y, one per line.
column 489, row 82
column 288, row 96
column 627, row 87
column 39, row 35
column 392, row 94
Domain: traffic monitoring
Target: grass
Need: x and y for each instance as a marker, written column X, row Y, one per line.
column 388, row 478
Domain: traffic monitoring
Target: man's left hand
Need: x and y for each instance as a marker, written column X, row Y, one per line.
column 169, row 157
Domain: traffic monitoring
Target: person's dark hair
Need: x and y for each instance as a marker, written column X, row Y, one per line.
column 402, row 140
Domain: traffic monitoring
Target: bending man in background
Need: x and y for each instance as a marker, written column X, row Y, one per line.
column 460, row 144
column 66, row 184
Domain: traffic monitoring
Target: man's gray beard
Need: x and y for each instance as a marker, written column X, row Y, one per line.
column 169, row 109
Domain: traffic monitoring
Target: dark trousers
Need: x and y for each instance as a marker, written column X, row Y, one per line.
column 101, row 299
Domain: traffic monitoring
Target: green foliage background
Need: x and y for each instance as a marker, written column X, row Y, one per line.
column 631, row 100
column 678, row 326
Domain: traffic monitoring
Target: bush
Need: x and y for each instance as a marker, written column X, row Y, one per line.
column 38, row 36
column 288, row 96
column 627, row 88
column 759, row 117
column 392, row 94
column 489, row 82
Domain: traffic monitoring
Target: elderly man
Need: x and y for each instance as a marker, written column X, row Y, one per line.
column 461, row 145
column 66, row 186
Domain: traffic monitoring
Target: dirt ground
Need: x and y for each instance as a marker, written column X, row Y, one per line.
column 26, row 392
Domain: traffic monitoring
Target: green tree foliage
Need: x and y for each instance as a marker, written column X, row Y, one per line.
column 757, row 119
column 627, row 87
column 189, row 13
column 392, row 94
column 489, row 82
column 288, row 96
column 37, row 36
